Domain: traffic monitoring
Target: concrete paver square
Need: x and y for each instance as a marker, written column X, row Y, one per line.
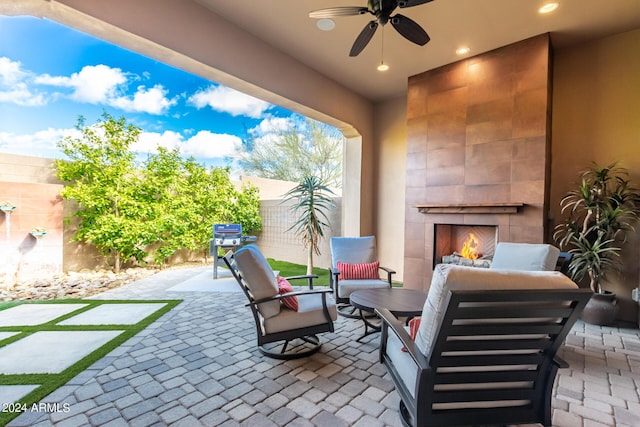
column 35, row 314
column 4, row 335
column 114, row 314
column 51, row 352
column 12, row 393
column 203, row 282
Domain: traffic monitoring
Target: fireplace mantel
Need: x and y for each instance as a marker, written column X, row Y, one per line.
column 470, row 208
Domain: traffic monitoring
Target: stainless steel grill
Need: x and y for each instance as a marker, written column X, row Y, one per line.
column 226, row 236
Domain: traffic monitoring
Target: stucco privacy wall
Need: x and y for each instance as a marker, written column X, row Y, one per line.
column 28, row 184
column 186, row 35
column 596, row 117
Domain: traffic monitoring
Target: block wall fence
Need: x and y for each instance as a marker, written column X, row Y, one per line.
column 29, row 184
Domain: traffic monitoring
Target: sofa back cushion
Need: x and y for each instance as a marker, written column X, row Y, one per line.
column 259, row 277
column 452, row 277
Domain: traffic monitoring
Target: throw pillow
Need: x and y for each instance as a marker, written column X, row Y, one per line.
column 284, row 287
column 358, row 271
column 414, row 325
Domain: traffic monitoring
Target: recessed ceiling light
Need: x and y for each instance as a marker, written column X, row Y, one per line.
column 548, row 8
column 326, row 24
column 462, row 50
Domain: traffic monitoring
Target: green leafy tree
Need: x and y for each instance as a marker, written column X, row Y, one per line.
column 166, row 204
column 304, row 148
column 102, row 171
column 311, row 204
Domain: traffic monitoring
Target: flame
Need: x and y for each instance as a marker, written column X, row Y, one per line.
column 470, row 248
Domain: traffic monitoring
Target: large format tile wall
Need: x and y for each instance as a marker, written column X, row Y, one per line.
column 478, row 132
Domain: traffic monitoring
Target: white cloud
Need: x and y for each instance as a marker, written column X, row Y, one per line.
column 101, row 84
column 20, row 94
column 10, row 72
column 227, row 100
column 273, row 125
column 42, row 143
column 94, row 84
column 202, row 145
column 152, row 101
column 210, row 145
column 13, row 86
column 148, row 142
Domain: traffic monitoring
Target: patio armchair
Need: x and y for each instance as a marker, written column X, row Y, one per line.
column 485, row 349
column 358, row 258
column 314, row 310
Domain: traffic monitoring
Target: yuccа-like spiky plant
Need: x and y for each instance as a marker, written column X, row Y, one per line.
column 600, row 214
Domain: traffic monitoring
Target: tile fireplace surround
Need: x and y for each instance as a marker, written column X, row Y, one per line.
column 478, row 145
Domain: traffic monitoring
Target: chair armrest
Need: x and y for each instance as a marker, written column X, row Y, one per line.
column 333, row 278
column 309, row 277
column 389, row 273
column 388, row 270
column 560, row 362
column 289, row 294
column 389, row 320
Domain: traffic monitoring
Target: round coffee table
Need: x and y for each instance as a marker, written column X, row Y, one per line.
column 400, row 302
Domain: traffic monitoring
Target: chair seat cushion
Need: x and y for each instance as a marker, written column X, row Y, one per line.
column 346, row 287
column 402, row 361
column 310, row 313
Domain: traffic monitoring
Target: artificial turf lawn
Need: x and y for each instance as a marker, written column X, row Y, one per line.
column 50, row 382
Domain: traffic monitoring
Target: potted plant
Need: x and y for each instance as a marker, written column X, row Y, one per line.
column 599, row 214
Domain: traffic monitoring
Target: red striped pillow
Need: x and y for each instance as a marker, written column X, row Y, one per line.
column 285, row 287
column 358, row 271
column 414, row 325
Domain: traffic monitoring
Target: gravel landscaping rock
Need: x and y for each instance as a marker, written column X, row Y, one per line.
column 80, row 284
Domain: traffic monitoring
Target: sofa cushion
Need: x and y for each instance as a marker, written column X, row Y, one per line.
column 452, row 277
column 259, row 277
column 525, row 256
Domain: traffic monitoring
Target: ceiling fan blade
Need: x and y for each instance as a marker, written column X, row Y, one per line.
column 338, row 11
column 411, row 3
column 410, row 30
column 363, row 38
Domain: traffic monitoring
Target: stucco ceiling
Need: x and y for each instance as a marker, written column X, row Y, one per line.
column 482, row 25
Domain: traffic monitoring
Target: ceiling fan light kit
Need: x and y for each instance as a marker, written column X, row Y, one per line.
column 381, row 10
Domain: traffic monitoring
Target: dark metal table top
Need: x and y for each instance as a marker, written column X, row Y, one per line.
column 400, row 302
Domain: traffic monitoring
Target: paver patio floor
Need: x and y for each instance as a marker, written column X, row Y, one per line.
column 198, row 365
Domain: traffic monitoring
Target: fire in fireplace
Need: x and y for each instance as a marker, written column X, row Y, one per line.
column 471, row 245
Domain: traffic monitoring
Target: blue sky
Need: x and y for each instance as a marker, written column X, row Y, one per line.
column 50, row 74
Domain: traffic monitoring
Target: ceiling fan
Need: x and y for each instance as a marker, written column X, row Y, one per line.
column 382, row 10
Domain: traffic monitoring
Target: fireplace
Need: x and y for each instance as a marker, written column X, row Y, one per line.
column 470, row 245
column 478, row 151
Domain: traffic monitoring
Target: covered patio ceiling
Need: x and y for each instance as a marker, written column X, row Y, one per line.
column 480, row 25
